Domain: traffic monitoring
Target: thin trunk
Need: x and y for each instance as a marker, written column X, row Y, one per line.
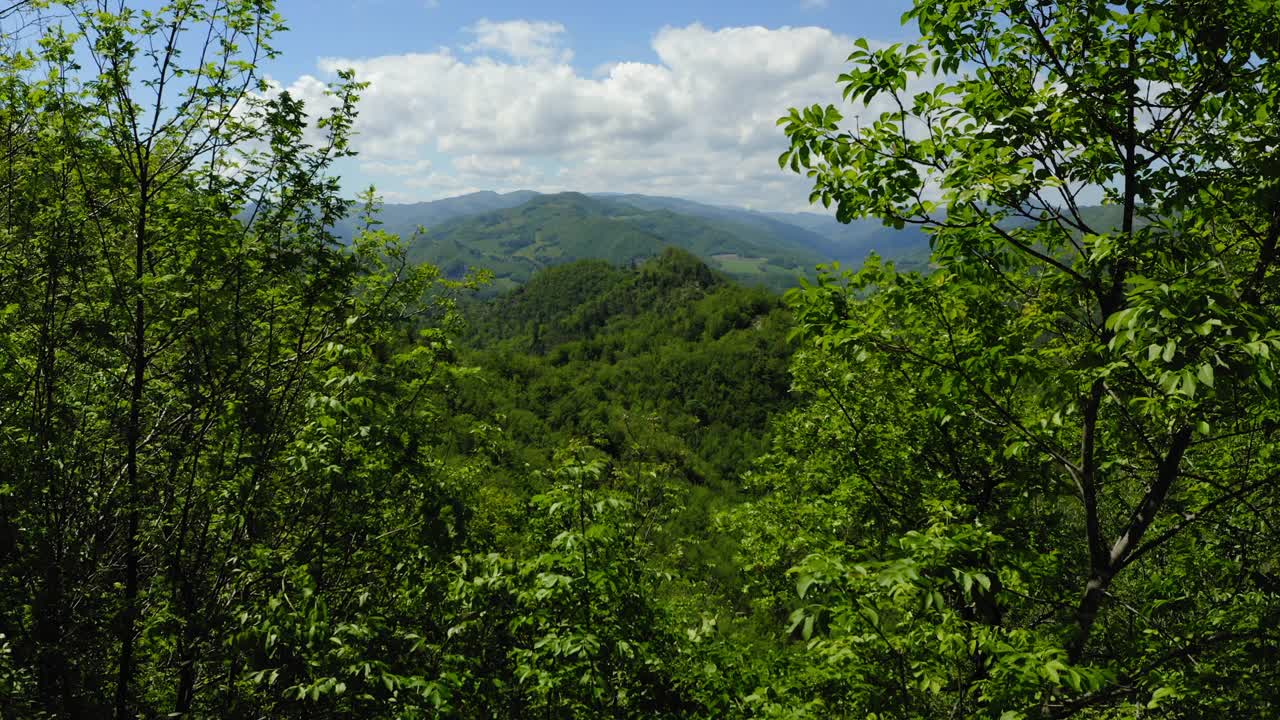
column 1266, row 258
column 1089, row 479
column 1102, row 568
column 133, row 437
column 1095, row 591
column 50, row 607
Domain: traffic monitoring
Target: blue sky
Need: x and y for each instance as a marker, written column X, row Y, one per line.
column 654, row 96
column 600, row 32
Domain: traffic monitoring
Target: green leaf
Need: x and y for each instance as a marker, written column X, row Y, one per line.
column 1205, row 374
column 1160, row 694
column 804, row 583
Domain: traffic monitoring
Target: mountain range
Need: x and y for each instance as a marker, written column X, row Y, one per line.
column 515, row 234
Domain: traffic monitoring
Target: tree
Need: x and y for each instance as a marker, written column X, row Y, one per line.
column 210, row 406
column 1088, row 509
column 570, row 628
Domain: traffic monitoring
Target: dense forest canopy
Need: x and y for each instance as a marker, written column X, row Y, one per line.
column 262, row 458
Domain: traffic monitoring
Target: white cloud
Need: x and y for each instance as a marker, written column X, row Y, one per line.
column 488, row 165
column 814, row 4
column 513, row 113
column 521, row 40
column 378, row 168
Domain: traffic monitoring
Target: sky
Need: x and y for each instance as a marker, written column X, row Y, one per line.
column 665, row 97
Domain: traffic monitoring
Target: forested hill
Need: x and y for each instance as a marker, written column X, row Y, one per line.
column 670, row 359
column 847, row 243
column 514, row 234
column 553, row 229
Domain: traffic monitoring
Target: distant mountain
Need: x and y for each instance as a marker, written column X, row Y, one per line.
column 758, row 226
column 553, row 229
column 404, row 218
column 850, row 243
column 819, row 234
column 514, row 234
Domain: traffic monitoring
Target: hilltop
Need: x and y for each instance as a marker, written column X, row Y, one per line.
column 670, row 354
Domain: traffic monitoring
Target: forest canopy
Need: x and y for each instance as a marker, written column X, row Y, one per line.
column 260, row 462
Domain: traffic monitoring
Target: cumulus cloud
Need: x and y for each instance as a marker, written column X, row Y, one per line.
column 487, row 165
column 509, row 111
column 521, row 40
column 377, row 168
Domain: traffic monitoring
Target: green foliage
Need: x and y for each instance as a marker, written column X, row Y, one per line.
column 215, row 422
column 585, row 637
column 1072, row 482
column 669, row 362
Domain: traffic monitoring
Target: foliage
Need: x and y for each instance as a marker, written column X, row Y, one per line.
column 1090, row 408
column 583, row 634
column 210, row 406
column 669, row 362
